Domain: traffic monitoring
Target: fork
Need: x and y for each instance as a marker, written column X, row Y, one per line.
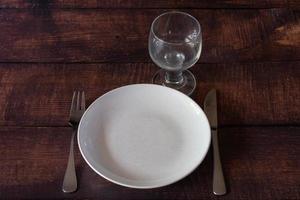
column 76, row 112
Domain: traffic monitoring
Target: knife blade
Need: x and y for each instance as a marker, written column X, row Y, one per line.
column 210, row 109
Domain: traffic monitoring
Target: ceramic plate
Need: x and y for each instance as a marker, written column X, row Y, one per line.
column 144, row 136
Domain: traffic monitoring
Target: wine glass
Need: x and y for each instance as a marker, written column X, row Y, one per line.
column 175, row 43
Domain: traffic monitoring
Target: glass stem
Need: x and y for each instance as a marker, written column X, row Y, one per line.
column 174, row 77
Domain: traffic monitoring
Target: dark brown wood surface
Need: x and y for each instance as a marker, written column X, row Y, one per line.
column 251, row 55
column 114, row 35
column 249, row 94
column 258, row 162
column 149, row 4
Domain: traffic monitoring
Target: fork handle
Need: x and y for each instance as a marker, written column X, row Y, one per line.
column 70, row 180
column 219, row 187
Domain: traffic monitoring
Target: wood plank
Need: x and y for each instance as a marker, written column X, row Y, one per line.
column 249, row 94
column 258, row 162
column 148, row 4
column 41, row 35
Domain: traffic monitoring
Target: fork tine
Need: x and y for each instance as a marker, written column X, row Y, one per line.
column 82, row 101
column 78, row 101
column 73, row 102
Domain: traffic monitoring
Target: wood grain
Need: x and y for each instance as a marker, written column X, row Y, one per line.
column 149, row 4
column 249, row 94
column 114, row 35
column 258, row 164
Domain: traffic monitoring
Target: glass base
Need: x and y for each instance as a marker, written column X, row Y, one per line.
column 187, row 85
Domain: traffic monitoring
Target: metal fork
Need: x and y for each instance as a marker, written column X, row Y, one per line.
column 76, row 112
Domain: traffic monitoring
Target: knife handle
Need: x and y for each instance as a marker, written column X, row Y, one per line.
column 219, row 187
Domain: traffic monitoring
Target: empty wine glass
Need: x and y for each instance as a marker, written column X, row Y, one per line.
column 175, row 43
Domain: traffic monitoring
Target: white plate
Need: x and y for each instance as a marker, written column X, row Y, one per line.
column 144, row 136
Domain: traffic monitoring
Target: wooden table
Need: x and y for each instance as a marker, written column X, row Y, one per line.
column 251, row 55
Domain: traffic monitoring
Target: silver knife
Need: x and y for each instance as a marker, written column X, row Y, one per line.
column 210, row 109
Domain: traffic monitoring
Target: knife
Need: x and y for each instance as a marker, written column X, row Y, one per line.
column 210, row 109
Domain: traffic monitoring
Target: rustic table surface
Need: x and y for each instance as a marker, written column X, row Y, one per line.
column 251, row 55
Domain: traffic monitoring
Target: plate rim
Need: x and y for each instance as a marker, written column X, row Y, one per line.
column 148, row 186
